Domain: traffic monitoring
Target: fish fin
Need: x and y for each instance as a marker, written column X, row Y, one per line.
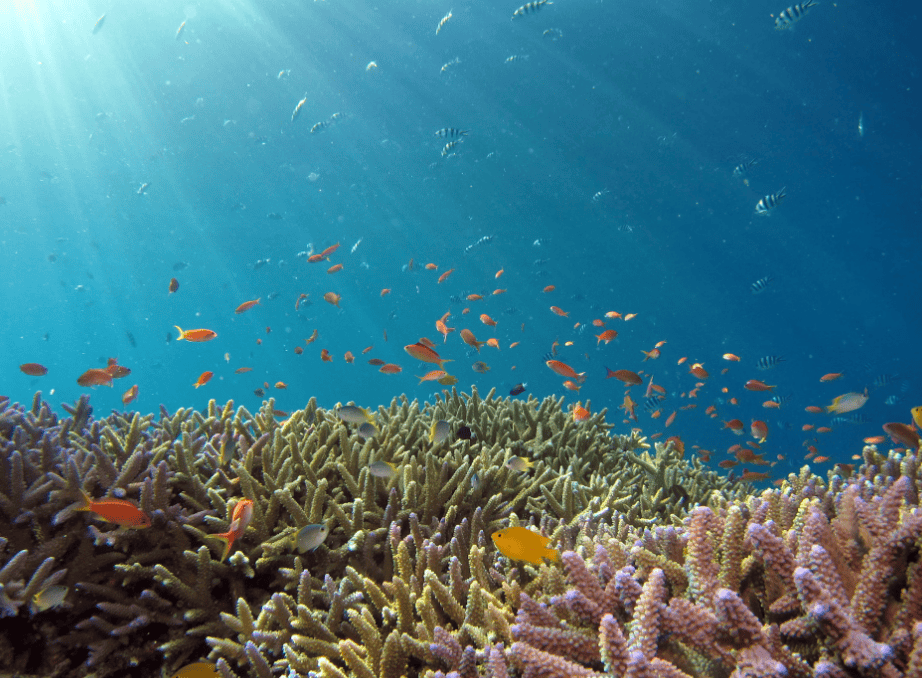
column 227, row 538
column 86, row 499
column 180, row 332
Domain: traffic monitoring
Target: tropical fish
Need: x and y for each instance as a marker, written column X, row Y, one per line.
column 33, row 369
column 433, row 375
column 439, row 432
column 731, row 357
column 332, row 298
column 917, row 415
column 195, row 335
column 246, row 306
column 487, row 320
column 197, row 670
column 174, row 285
column 451, row 133
column 761, row 284
column 628, row 377
column 48, row 597
column 352, row 414
column 390, row 368
column 697, row 369
column 530, row 7
column 119, row 511
column 519, row 464
column 788, row 17
column 770, row 202
column 520, row 543
column 903, row 433
column 756, row 385
column 444, row 276
column 468, row 337
column 240, row 518
column 580, row 413
column 181, row 28
column 95, row 377
column 382, row 469
column 448, row 380
column 310, row 537
column 203, row 379
column 443, row 22
column 130, row 395
column 518, row 389
column 848, row 402
column 606, row 336
column 769, row 362
column 832, row 376
column 367, row 431
column 298, row 108
column 565, row 370
column 422, row 352
column 560, row 311
column 99, row 23
column 480, row 367
column 334, row 268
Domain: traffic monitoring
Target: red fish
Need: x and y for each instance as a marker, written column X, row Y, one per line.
column 203, row 379
column 195, row 335
column 628, row 377
column 119, row 511
column 425, row 354
column 33, row 369
column 130, row 395
column 95, row 377
column 243, row 513
column 560, row 311
column 246, row 306
column 390, row 368
column 565, row 370
column 756, row 385
column 580, row 413
column 606, row 336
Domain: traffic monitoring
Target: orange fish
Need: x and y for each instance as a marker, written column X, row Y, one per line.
column 613, row 314
column 902, row 433
column 33, row 369
column 281, row 385
column 468, row 337
column 651, row 355
column 334, row 268
column 499, row 273
column 756, row 385
column 95, row 377
column 487, row 320
column 807, row 427
column 443, row 329
column 753, row 476
column 874, row 440
column 117, row 371
column 473, row 297
column 629, row 316
column 329, row 250
column 427, row 343
column 434, row 375
column 386, row 290
column 560, row 311
column 246, row 306
column 759, row 430
column 571, row 386
column 431, row 267
column 628, row 406
column 549, row 288
column 241, row 370
column 565, row 370
column 606, row 336
column 823, row 429
column 390, row 368
column 195, row 335
column 130, row 395
column 425, row 354
column 376, row 362
column 349, row 357
column 119, row 511
column 771, row 404
column 445, row 275
column 332, row 298
column 669, row 420
column 731, row 357
column 314, row 258
column 298, row 350
column 628, row 377
column 727, row 463
column 832, row 376
column 311, row 339
column 513, row 344
column 494, row 342
column 498, row 291
column 367, row 349
column 735, row 425
column 325, row 356
column 698, row 370
column 821, row 460
column 580, row 413
column 243, row 513
column 298, row 301
column 814, row 409
column 174, row 285
column 203, row 379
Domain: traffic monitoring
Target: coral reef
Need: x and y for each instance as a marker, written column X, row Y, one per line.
column 816, row 577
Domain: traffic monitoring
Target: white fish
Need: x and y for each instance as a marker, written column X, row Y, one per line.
column 49, row 597
column 311, row 536
column 439, row 432
column 443, row 22
column 356, row 245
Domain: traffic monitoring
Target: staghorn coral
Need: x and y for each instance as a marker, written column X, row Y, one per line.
column 407, row 582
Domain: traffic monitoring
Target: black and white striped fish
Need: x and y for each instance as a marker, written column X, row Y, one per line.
column 743, row 168
column 769, row 361
column 531, row 7
column 884, row 379
column 770, row 202
column 782, row 400
column 449, row 147
column 451, row 133
column 761, row 284
column 788, row 17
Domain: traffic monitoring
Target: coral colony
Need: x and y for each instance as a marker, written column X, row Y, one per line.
column 665, row 568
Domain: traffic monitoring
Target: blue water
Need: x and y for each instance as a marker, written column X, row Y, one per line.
column 650, row 104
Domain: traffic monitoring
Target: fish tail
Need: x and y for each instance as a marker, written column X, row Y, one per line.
column 553, row 555
column 227, row 538
column 180, row 332
column 86, row 501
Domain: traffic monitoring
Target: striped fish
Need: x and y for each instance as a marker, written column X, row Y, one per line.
column 769, row 362
column 451, row 133
column 743, row 168
column 531, row 7
column 759, row 285
column 781, row 400
column 770, row 202
column 884, row 379
column 788, row 17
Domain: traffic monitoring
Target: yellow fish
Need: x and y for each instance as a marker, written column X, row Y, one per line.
column 917, row 415
column 519, row 464
column 520, row 543
column 197, row 670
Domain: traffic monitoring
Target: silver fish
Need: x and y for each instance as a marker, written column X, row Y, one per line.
column 311, row 536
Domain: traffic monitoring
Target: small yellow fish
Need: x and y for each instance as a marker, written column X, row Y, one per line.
column 448, row 380
column 520, row 543
column 48, row 597
column 917, row 415
column 197, row 670
column 519, row 464
column 352, row 414
column 439, row 432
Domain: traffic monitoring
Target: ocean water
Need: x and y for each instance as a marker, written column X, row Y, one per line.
column 600, row 161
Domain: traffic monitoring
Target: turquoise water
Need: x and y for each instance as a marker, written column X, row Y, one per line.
column 600, row 161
